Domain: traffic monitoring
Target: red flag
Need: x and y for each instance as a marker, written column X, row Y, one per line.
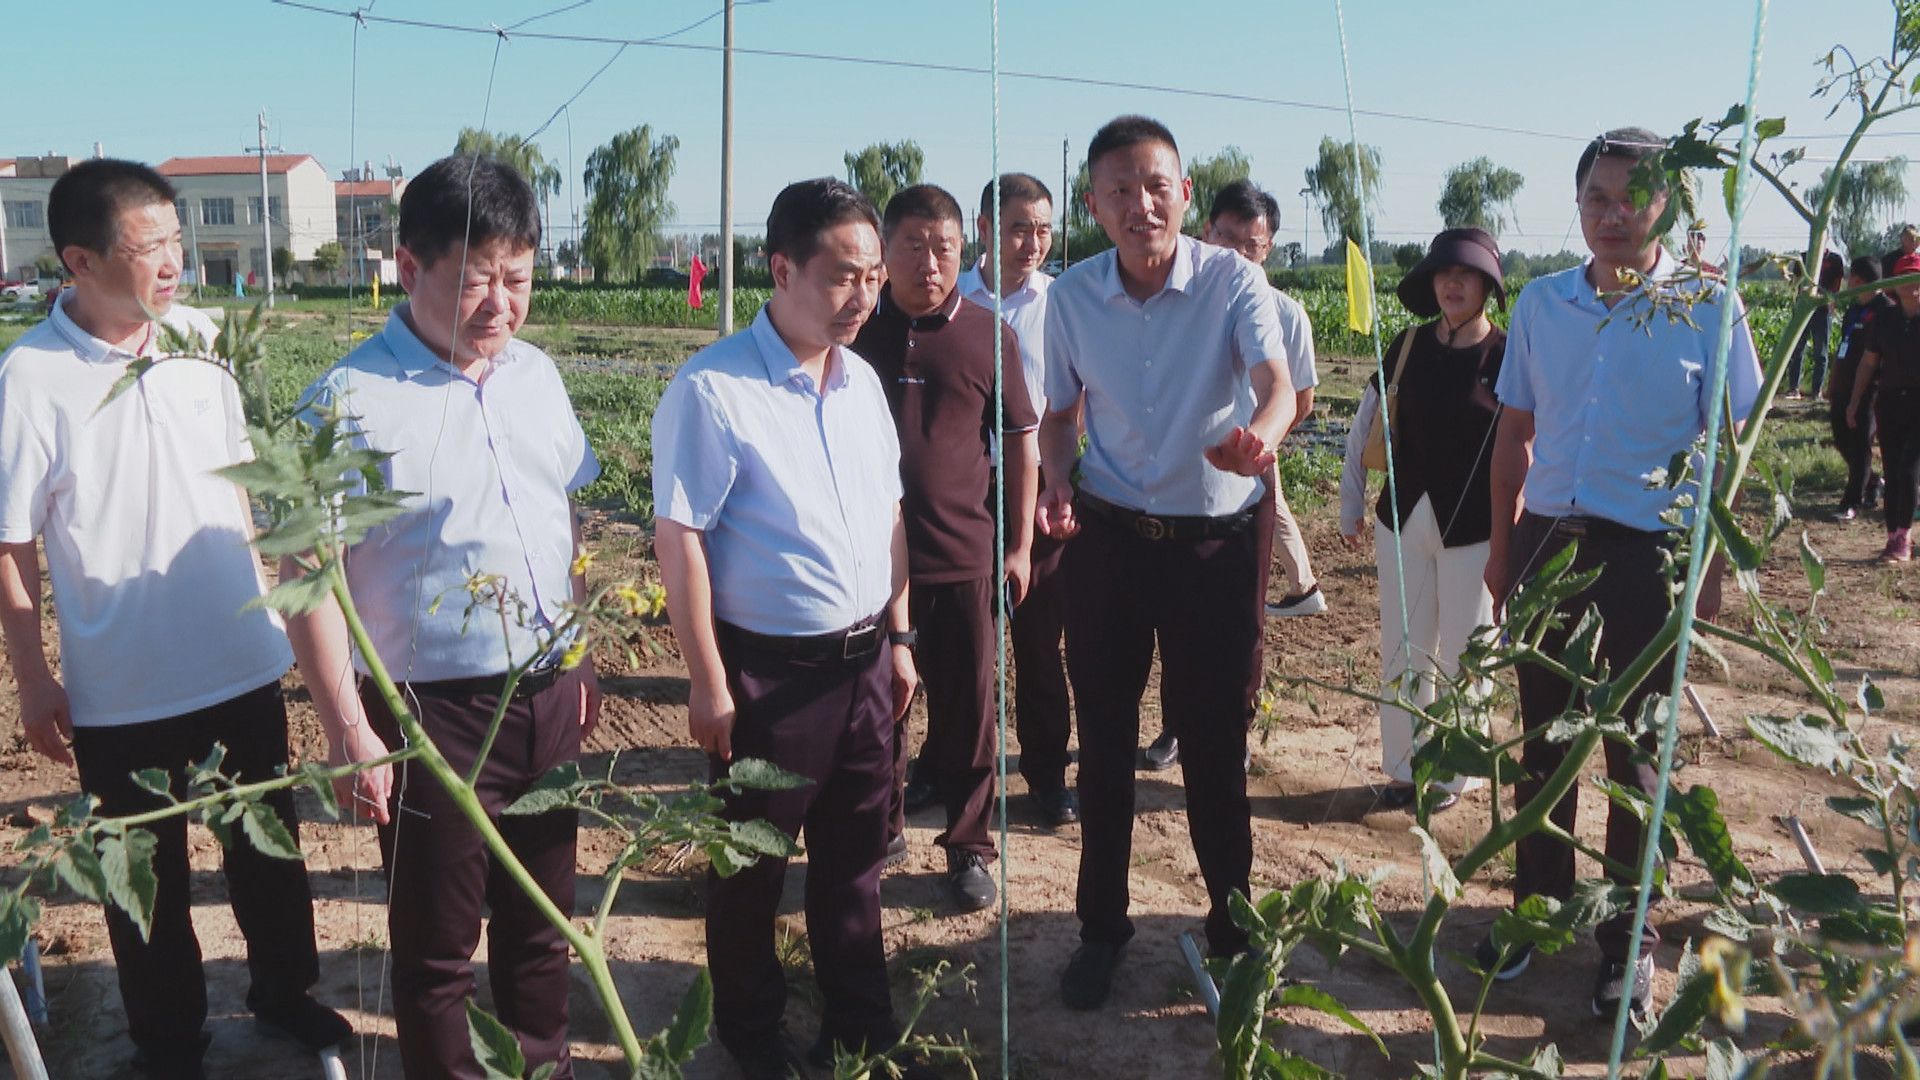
column 694, row 274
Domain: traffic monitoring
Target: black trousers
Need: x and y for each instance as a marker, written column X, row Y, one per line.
column 830, row 721
column 1855, row 444
column 1042, row 710
column 1897, row 411
column 162, row 984
column 1631, row 595
column 441, row 875
column 1196, row 600
column 956, row 659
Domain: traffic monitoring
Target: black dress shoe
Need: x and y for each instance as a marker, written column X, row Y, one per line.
column 1057, row 805
column 305, row 1021
column 768, row 1057
column 172, row 1061
column 1088, row 979
column 1162, row 755
column 921, row 794
column 969, row 885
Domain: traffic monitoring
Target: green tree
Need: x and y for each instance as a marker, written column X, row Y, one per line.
column 327, row 258
column 1480, row 194
column 882, row 169
column 1346, row 199
column 1863, row 193
column 1085, row 237
column 525, row 157
column 1209, row 175
column 627, row 202
column 282, row 264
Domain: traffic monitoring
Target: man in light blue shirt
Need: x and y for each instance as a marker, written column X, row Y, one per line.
column 480, row 431
column 776, row 483
column 1172, row 352
column 1602, row 386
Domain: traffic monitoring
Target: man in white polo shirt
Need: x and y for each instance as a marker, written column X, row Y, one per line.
column 162, row 653
column 1041, row 710
column 1172, row 353
column 482, row 433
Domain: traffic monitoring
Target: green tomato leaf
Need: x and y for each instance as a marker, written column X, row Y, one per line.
column 1438, row 868
column 1818, row 894
column 756, row 775
column 1808, row 740
column 126, row 865
column 688, row 1032
column 267, row 833
column 559, row 789
column 494, row 1047
column 1302, row 996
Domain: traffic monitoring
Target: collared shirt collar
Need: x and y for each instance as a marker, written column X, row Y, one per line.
column 973, row 282
column 413, row 354
column 933, row 320
column 1578, row 288
column 90, row 348
column 1177, row 278
column 782, row 365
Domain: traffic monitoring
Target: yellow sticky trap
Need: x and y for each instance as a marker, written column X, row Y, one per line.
column 1359, row 290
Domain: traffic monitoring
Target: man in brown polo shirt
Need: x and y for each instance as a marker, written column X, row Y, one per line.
column 933, row 351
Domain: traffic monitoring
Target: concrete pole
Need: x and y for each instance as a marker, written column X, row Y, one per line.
column 726, row 180
column 1066, row 203
column 266, row 204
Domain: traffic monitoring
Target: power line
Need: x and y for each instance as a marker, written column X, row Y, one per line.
column 951, row 69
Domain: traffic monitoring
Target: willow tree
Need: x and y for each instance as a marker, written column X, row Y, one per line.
column 1211, row 174
column 1863, row 193
column 880, row 170
column 627, row 202
column 523, row 156
column 1479, row 194
column 1346, row 194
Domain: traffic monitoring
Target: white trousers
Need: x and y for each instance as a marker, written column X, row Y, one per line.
column 1288, row 543
column 1447, row 600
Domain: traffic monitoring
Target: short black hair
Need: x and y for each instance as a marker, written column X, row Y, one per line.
column 1833, row 271
column 473, row 198
column 928, row 201
column 1122, row 132
column 85, row 205
column 1245, row 199
column 1866, row 268
column 1634, row 144
column 1014, row 187
column 807, row 208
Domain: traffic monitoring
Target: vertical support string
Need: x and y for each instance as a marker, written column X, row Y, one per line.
column 1696, row 541
column 1001, row 614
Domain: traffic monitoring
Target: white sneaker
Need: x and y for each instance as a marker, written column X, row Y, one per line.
column 1311, row 602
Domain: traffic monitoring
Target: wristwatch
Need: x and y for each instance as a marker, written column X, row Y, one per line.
column 909, row 638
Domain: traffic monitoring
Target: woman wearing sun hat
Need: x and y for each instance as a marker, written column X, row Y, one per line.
column 1441, row 374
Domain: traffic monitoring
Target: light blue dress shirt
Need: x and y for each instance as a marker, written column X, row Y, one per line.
column 1164, row 379
column 1615, row 393
column 489, row 465
column 794, row 487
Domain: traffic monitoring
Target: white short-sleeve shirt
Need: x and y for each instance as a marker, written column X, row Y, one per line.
column 1024, row 309
column 489, row 466
column 1296, row 330
column 794, row 487
column 150, row 553
column 1164, row 379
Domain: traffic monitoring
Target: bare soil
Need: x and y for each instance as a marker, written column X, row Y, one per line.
column 1314, row 786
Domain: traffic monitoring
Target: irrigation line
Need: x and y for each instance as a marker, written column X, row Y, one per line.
column 1702, row 509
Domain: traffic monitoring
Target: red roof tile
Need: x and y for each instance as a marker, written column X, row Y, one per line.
column 230, row 165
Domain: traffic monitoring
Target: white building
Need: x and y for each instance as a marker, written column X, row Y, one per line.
column 220, row 211
column 219, row 205
column 367, row 218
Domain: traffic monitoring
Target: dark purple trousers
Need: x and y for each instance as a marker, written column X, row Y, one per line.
column 1196, row 598
column 1042, row 712
column 1631, row 596
column 162, row 985
column 440, row 875
column 830, row 721
column 956, row 658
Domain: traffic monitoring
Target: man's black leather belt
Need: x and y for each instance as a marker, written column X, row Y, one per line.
column 1579, row 525
column 859, row 640
column 1160, row 526
column 530, row 684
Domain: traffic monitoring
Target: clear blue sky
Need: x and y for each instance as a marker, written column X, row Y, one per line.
column 152, row 80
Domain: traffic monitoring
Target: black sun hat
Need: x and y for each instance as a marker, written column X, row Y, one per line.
column 1473, row 248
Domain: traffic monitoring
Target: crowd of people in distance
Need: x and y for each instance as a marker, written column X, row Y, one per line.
column 827, row 484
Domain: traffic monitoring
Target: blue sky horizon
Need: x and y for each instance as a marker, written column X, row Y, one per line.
column 1555, row 74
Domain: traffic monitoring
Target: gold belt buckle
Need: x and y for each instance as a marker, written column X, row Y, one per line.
column 1152, row 528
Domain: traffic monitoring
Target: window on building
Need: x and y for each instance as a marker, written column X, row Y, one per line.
column 274, row 208
column 180, row 210
column 216, row 211
column 26, row 215
column 257, row 258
